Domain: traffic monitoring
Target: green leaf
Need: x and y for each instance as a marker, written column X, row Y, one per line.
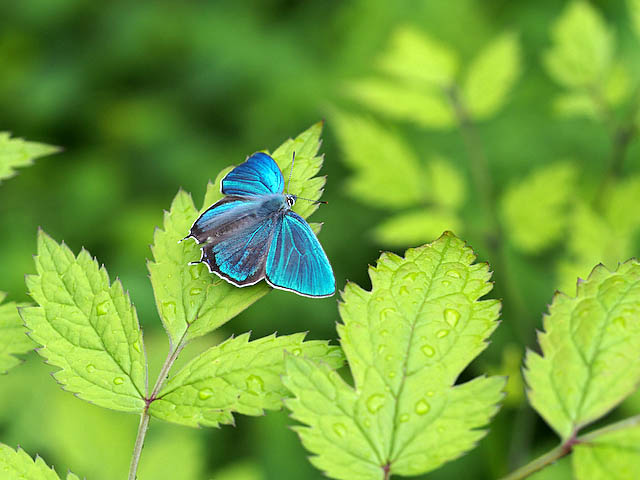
column 491, row 76
column 534, row 210
column 416, row 227
column 424, row 106
column 634, row 12
column 17, row 464
column 406, row 341
column 590, row 345
column 235, row 376
column 387, row 172
column 446, row 184
column 87, row 327
column 582, row 48
column 191, row 301
column 612, row 455
column 618, row 85
column 16, row 153
column 619, row 206
column 576, row 104
column 415, row 57
column 13, row 335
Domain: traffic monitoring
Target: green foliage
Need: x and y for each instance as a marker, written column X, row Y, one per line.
column 589, row 361
column 13, row 336
column 491, row 76
column 87, row 327
column 415, row 226
column 535, row 210
column 614, row 454
column 406, row 341
column 634, row 11
column 17, row 153
column 18, row 464
column 235, row 376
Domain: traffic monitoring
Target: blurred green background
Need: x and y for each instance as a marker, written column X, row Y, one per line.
column 146, row 97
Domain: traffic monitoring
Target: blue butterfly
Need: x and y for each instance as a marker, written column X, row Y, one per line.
column 252, row 233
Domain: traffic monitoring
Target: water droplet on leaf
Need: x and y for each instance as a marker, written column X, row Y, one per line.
column 453, row 274
column 195, row 291
column 118, row 380
column 422, row 407
column 451, row 316
column 169, row 309
column 375, row 402
column 340, row 429
column 205, row 393
column 91, row 368
column 404, row 418
column 102, row 308
column 255, row 384
column 428, row 350
column 296, row 352
column 442, row 333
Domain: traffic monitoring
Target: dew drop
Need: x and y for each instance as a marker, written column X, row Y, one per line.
column 446, row 283
column 255, row 384
column 404, row 291
column 205, row 393
column 169, row 309
column 375, row 402
column 411, row 276
column 296, row 352
column 388, row 358
column 384, row 333
column 102, row 308
column 195, row 273
column 118, row 380
column 391, row 374
column 442, row 333
column 428, row 350
column 422, row 407
column 452, row 274
column 91, row 368
column 381, row 348
column 451, row 316
column 195, row 291
column 430, row 394
column 340, row 429
column 404, row 418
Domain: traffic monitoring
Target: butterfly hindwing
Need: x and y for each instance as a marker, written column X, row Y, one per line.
column 258, row 175
column 296, row 260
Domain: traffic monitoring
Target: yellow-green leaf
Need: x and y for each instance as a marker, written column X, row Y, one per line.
column 16, row 153
column 13, row 335
column 415, row 227
column 18, row 465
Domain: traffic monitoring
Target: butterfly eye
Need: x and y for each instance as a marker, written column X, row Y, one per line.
column 291, row 200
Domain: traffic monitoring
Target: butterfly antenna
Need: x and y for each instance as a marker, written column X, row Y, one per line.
column 293, row 159
column 312, row 201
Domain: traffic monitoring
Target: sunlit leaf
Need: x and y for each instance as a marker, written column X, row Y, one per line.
column 235, row 376
column 535, row 209
column 87, row 327
column 446, row 185
column 576, row 104
column 424, row 106
column 245, row 470
column 611, row 455
column 416, row 227
column 620, row 203
column 618, row 85
column 191, row 301
column 17, row 464
column 589, row 361
column 16, row 153
column 416, row 57
column 386, row 172
column 634, row 12
column 582, row 47
column 13, row 335
column 406, row 341
column 491, row 76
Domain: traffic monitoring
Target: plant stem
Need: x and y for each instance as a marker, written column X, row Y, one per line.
column 144, row 416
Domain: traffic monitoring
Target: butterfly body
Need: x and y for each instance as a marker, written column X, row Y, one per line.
column 252, row 234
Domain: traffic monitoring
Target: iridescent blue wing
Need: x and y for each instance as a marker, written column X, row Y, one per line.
column 296, row 261
column 222, row 218
column 258, row 175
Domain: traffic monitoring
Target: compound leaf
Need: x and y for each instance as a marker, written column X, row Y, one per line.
column 190, row 300
column 16, row 153
column 13, row 335
column 406, row 341
column 534, row 210
column 582, row 48
column 491, row 76
column 446, row 184
column 611, row 455
column 387, row 172
column 235, row 376
column 415, row 57
column 87, row 327
column 589, row 361
column 18, row 464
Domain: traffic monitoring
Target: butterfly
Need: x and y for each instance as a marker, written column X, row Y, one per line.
column 252, row 234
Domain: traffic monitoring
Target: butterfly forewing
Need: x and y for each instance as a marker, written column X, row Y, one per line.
column 259, row 175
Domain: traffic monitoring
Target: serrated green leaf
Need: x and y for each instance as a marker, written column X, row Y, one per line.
column 87, row 326
column 446, row 184
column 416, row 57
column 491, row 76
column 634, row 12
column 190, row 300
column 576, row 104
column 235, row 376
column 582, row 48
column 415, row 227
column 17, row 464
column 16, row 153
column 387, row 173
column 590, row 345
column 13, row 335
column 534, row 210
column 424, row 106
column 612, row 455
column 406, row 341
